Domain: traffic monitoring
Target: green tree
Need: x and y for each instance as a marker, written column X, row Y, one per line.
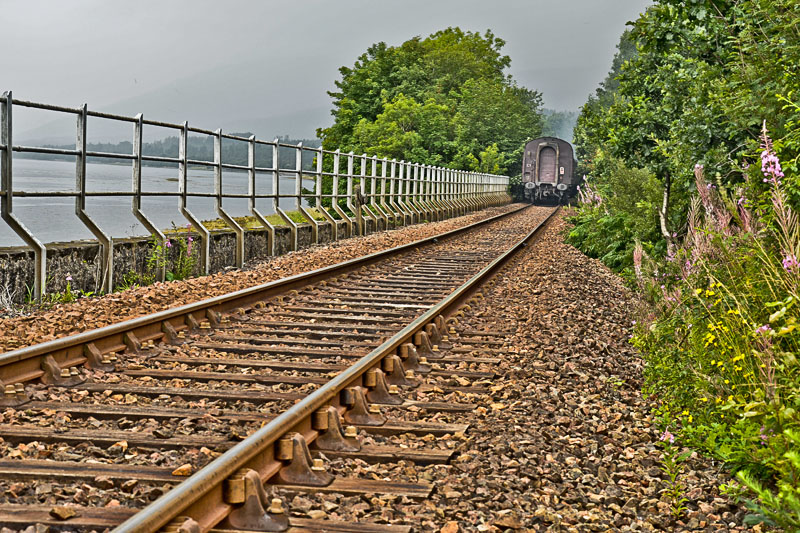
column 441, row 100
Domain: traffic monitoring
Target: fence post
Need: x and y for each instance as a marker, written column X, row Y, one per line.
column 183, row 190
column 106, row 243
column 321, row 208
column 394, row 181
column 335, row 201
column 136, row 201
column 276, row 193
column 251, row 191
column 231, row 223
column 7, row 199
column 365, row 195
column 298, row 191
column 379, row 197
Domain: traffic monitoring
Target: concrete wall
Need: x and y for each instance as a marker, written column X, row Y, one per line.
column 81, row 260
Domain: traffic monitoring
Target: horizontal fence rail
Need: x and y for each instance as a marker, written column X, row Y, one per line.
column 348, row 188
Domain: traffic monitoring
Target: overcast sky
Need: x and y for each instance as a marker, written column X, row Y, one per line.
column 265, row 66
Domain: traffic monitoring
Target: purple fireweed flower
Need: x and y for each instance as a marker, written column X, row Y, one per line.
column 169, row 243
column 770, row 165
column 763, row 329
column 790, row 263
column 667, row 437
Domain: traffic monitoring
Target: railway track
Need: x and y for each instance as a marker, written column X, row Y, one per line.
column 175, row 421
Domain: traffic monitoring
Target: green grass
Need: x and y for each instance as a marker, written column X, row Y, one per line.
column 251, row 222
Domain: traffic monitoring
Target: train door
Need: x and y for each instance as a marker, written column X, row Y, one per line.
column 548, row 161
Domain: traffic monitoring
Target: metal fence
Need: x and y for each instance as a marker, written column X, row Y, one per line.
column 400, row 193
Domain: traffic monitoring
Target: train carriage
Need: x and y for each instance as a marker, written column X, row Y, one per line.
column 548, row 170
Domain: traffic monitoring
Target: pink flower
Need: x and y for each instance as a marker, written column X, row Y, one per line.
column 763, row 329
column 169, row 243
column 69, row 277
column 667, row 437
column 790, row 263
column 770, row 165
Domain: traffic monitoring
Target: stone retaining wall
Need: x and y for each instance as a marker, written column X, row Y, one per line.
column 81, row 260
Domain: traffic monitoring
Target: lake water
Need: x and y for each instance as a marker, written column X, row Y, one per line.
column 54, row 219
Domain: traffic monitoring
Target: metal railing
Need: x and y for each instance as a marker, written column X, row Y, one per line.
column 402, row 192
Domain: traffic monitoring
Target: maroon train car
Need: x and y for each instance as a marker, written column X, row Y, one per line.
column 548, row 167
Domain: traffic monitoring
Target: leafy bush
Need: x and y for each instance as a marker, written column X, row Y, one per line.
column 622, row 211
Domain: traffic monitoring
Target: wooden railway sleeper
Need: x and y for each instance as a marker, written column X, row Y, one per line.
column 328, row 422
column 254, row 511
column 299, row 468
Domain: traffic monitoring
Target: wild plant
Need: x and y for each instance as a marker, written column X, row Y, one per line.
column 720, row 335
column 183, row 265
column 672, row 466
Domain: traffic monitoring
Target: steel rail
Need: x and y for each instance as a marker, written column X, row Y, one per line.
column 23, row 364
column 202, row 491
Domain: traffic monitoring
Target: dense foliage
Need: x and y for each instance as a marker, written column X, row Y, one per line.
column 442, row 100
column 692, row 82
column 689, row 196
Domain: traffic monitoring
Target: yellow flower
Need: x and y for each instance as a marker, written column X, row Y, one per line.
column 703, row 399
column 730, row 398
column 690, row 419
column 697, row 292
column 726, row 382
column 685, row 413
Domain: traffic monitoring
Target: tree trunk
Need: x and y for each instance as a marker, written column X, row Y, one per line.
column 662, row 213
